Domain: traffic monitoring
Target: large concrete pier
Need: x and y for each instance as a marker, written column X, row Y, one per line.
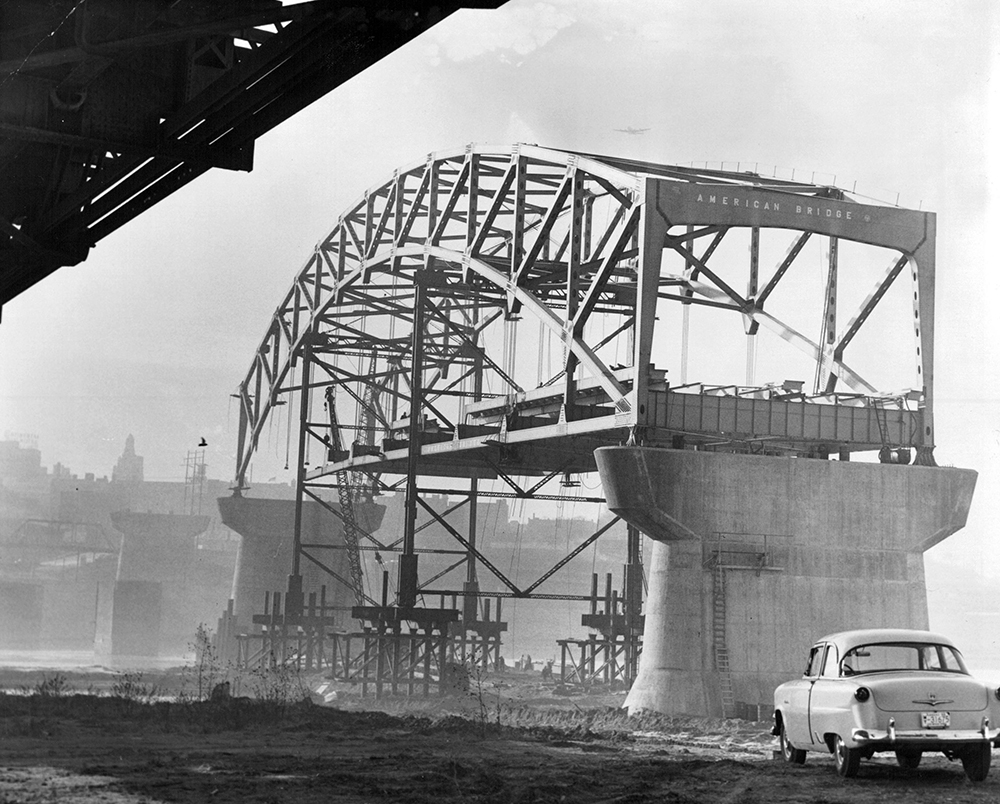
column 793, row 548
column 264, row 561
column 162, row 583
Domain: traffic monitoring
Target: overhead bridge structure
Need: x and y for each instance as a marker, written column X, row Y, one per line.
column 524, row 315
column 108, row 107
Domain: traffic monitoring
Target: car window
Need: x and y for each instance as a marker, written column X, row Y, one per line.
column 930, row 657
column 901, row 656
column 815, row 660
column 941, row 657
column 830, row 669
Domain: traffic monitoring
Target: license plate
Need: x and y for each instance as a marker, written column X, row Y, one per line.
column 935, row 720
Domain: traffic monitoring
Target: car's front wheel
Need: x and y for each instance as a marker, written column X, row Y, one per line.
column 790, row 753
column 976, row 761
column 848, row 760
column 908, row 759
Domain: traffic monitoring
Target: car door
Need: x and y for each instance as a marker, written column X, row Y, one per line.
column 826, row 699
column 799, row 694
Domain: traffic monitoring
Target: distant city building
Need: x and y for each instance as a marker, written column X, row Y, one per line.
column 18, row 463
column 129, row 466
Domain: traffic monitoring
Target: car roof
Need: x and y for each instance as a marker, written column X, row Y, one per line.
column 845, row 640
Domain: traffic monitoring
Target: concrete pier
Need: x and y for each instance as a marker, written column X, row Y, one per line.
column 21, row 605
column 264, row 561
column 793, row 547
column 161, row 584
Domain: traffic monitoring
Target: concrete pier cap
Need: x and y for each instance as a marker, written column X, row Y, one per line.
column 794, row 547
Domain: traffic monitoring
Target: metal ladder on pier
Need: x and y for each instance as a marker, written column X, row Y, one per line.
column 719, row 638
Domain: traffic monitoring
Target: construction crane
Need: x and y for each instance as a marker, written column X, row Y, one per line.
column 366, row 424
column 351, row 529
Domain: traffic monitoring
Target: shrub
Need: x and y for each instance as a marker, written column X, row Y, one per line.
column 52, row 686
column 131, row 691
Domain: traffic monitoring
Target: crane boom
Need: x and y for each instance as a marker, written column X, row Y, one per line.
column 351, row 530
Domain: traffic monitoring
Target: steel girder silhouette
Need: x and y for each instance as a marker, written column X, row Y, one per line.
column 407, row 313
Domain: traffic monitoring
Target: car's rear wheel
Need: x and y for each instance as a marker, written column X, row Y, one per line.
column 908, row 759
column 790, row 753
column 848, row 760
column 976, row 761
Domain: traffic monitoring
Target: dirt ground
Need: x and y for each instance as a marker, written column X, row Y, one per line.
column 513, row 741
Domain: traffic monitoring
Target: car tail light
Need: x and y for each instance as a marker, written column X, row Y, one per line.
column 862, row 694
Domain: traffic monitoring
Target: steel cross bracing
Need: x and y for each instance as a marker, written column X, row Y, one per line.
column 491, row 313
column 567, row 248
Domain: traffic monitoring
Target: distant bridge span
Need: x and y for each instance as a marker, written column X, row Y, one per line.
column 502, row 309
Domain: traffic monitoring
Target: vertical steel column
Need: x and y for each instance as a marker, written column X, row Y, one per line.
column 241, row 441
column 293, row 599
column 443, row 660
column 472, row 223
column 826, row 377
column 470, row 601
column 496, row 641
column 632, row 603
column 923, row 265
column 651, row 240
column 633, row 574
column 517, row 225
column 408, row 558
column 381, row 644
column 470, row 575
column 573, row 261
column 751, row 325
column 689, row 268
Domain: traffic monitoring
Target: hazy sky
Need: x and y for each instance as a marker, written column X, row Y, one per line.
column 156, row 329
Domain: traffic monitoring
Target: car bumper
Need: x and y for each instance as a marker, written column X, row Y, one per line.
column 896, row 738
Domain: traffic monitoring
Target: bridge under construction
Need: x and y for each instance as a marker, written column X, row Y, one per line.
column 524, row 316
column 746, row 358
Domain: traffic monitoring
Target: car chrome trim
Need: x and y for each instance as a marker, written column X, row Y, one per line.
column 895, row 737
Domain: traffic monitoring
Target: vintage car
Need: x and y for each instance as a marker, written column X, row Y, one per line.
column 887, row 690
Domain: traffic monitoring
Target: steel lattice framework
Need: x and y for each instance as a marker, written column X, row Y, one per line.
column 408, row 311
column 398, row 347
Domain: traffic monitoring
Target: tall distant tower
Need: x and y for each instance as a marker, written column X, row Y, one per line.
column 129, row 466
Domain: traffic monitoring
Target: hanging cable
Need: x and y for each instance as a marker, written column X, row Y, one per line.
column 751, row 377
column 506, row 345
column 270, row 432
column 277, row 426
column 509, row 345
column 541, row 351
column 288, row 432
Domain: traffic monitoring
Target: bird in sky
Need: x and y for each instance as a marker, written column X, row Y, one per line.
column 632, row 131
column 203, row 442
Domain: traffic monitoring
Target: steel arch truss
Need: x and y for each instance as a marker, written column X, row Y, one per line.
column 407, row 314
column 483, row 237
